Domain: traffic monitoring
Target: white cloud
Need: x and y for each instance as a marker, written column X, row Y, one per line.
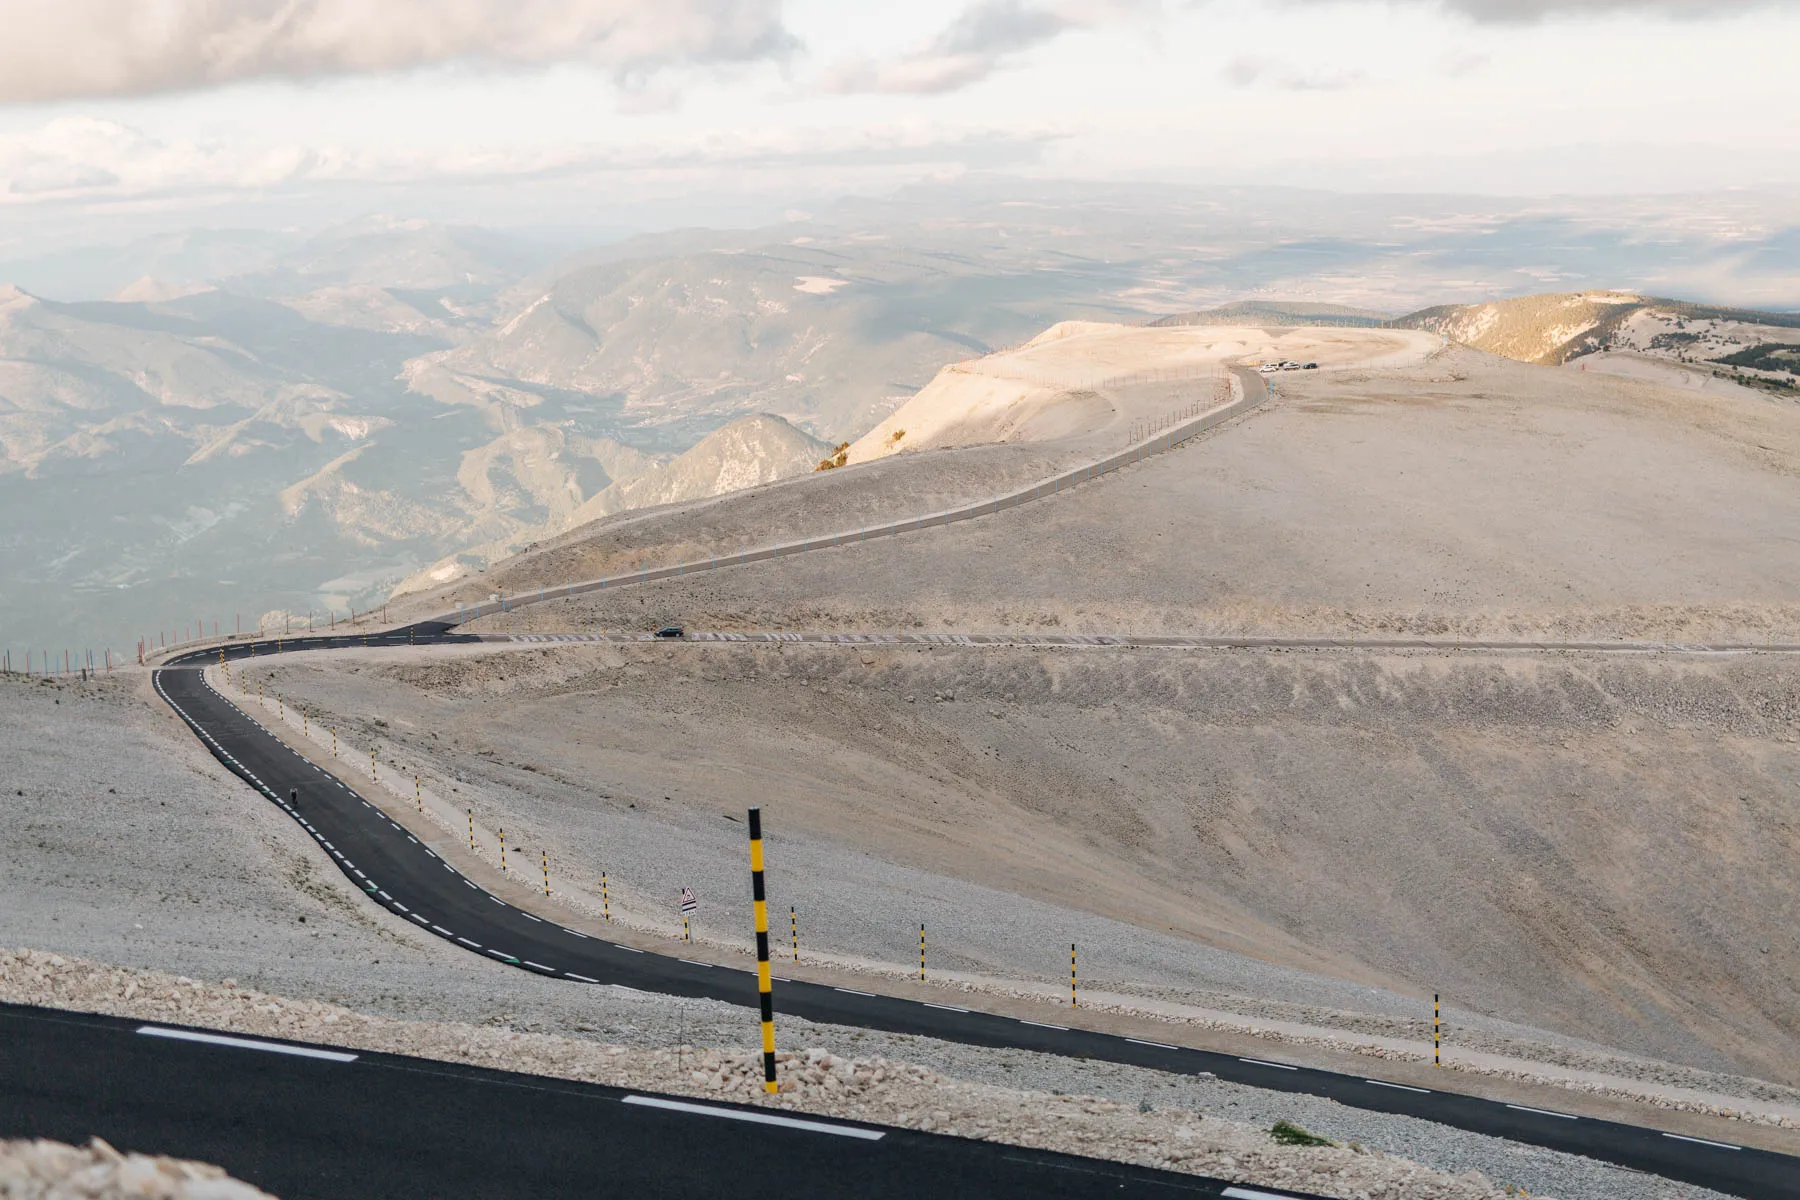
column 1251, row 71
column 1523, row 11
column 975, row 45
column 61, row 49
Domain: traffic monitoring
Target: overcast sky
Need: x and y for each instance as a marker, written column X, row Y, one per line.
column 563, row 110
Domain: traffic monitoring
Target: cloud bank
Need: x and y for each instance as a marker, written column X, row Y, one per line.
column 84, row 160
column 63, row 49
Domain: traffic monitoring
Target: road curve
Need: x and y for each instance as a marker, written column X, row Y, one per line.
column 391, row 1126
column 398, row 872
column 1255, row 391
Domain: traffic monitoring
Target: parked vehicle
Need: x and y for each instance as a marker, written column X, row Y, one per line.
column 671, row 631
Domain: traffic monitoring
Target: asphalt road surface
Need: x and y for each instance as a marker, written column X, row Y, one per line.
column 398, row 872
column 305, row 1121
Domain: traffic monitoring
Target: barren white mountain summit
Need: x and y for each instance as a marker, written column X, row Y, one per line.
column 1065, row 382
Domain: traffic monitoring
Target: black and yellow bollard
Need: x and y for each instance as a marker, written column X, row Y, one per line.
column 1072, row 975
column 503, row 851
column 921, row 952
column 1437, row 1040
column 546, row 855
column 372, row 778
column 605, row 900
column 687, row 934
column 764, row 986
column 471, row 831
column 418, row 794
column 794, row 919
column 334, row 743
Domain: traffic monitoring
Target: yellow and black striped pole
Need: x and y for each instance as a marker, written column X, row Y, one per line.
column 1437, row 1042
column 372, row 778
column 546, row 855
column 334, row 743
column 921, row 952
column 503, row 851
column 418, row 794
column 794, row 920
column 471, row 830
column 764, row 986
column 687, row 935
column 1071, row 974
column 605, row 900
column 305, row 725
column 281, row 707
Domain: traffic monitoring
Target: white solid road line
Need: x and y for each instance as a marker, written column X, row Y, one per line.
column 1703, row 1142
column 1543, row 1112
column 1239, row 1193
column 854, row 992
column 733, row 1114
column 1043, row 1025
column 1265, row 1063
column 945, row 1007
column 1158, row 1045
column 1399, row 1086
column 217, row 1039
column 539, row 966
column 583, row 978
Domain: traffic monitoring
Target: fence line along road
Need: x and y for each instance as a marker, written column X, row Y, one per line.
column 1171, row 642
column 1255, row 391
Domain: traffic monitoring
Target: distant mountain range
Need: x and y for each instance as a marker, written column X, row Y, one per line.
column 1267, row 312
column 208, row 423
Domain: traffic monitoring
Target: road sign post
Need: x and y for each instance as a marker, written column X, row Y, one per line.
column 764, row 987
column 689, row 906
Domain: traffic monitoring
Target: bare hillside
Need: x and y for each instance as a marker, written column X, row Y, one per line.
column 1468, row 496
column 1586, row 845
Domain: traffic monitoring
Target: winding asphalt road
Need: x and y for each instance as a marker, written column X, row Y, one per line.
column 319, row 1122
column 398, row 872
column 409, row 879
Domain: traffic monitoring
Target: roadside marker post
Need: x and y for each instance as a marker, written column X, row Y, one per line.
column 372, row 778
column 689, row 905
column 471, row 831
column 334, row 743
column 503, row 851
column 1072, row 975
column 605, row 900
column 794, row 919
column 764, row 985
column 418, row 794
column 546, row 855
column 1437, row 1041
column 921, row 952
